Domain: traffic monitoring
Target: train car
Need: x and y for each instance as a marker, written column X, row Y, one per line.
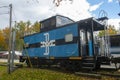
column 115, row 47
column 63, row 42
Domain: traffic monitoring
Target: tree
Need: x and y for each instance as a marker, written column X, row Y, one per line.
column 35, row 27
column 6, row 33
column 111, row 31
column 28, row 29
column 21, row 29
column 4, row 39
column 25, row 28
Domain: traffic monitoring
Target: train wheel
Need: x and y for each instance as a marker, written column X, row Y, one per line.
column 97, row 66
column 70, row 66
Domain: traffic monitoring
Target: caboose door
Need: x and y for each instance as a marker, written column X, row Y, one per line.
column 86, row 48
column 89, row 43
column 83, row 42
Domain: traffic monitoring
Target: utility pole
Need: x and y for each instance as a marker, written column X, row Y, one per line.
column 13, row 47
column 10, row 40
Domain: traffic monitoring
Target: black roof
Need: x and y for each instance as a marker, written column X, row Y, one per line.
column 92, row 21
column 56, row 16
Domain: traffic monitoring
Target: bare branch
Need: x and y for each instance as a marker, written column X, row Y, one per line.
column 57, row 2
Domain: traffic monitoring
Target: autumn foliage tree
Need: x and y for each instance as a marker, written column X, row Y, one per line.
column 21, row 29
column 3, row 44
column 35, row 27
column 111, row 31
column 25, row 28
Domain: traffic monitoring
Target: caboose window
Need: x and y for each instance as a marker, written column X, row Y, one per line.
column 68, row 37
column 83, row 37
column 53, row 22
column 42, row 26
column 62, row 21
column 115, row 41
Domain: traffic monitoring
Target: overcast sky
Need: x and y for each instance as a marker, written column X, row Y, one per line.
column 37, row 10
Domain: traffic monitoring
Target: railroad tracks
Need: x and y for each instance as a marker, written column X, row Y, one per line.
column 98, row 75
column 112, row 73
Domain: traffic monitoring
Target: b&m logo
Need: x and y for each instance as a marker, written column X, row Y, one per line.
column 47, row 43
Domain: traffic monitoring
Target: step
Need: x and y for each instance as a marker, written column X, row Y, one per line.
column 89, row 58
column 88, row 64
column 105, row 63
column 90, row 68
column 88, row 61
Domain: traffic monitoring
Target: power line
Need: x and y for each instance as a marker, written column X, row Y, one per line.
column 4, row 6
column 36, row 2
column 4, row 13
column 30, row 2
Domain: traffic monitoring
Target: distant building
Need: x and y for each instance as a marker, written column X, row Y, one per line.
column 4, row 54
column 1, row 53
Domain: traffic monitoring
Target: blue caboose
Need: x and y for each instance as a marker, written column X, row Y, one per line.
column 65, row 42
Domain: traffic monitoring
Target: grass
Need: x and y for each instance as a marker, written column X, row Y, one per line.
column 41, row 74
column 37, row 74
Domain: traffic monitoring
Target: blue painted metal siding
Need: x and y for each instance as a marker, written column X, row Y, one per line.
column 90, row 48
column 54, row 34
column 56, row 51
column 65, row 50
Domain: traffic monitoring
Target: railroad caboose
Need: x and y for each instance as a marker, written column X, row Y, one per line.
column 63, row 42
